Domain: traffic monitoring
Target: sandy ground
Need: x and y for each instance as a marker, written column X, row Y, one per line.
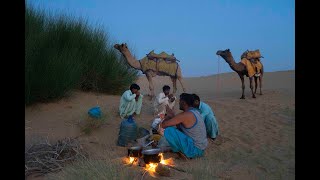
column 257, row 139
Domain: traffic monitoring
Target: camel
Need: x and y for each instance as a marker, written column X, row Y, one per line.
column 241, row 69
column 134, row 63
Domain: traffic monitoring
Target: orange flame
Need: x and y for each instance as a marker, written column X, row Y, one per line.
column 151, row 167
column 130, row 160
column 166, row 161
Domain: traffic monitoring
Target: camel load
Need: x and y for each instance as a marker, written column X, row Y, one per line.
column 251, row 59
column 163, row 63
column 251, row 54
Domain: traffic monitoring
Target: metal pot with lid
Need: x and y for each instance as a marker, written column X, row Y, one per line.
column 151, row 155
column 134, row 151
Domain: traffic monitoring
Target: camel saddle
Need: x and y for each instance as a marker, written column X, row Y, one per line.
column 251, row 54
column 166, row 57
column 164, row 63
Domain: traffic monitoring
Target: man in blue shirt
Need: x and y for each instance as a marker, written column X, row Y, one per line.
column 208, row 116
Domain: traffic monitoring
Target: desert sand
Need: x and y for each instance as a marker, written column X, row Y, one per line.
column 257, row 136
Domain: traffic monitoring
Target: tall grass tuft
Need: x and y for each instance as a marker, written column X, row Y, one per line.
column 63, row 53
column 88, row 124
column 94, row 169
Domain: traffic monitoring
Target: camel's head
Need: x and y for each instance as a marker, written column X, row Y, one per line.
column 122, row 47
column 226, row 54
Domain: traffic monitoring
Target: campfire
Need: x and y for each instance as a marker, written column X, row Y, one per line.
column 160, row 166
column 154, row 167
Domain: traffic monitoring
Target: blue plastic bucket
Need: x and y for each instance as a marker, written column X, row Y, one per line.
column 95, row 112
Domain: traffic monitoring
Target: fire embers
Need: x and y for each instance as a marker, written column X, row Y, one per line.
column 136, row 161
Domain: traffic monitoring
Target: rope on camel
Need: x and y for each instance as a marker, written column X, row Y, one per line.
column 218, row 76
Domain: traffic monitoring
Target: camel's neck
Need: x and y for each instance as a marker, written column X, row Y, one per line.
column 233, row 65
column 133, row 62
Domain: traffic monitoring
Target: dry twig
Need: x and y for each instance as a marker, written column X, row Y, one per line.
column 42, row 158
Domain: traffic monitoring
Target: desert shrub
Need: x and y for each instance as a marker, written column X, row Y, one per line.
column 63, row 53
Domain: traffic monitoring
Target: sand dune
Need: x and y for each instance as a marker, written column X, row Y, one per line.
column 257, row 135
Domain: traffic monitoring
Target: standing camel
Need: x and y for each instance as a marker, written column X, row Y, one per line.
column 241, row 69
column 150, row 73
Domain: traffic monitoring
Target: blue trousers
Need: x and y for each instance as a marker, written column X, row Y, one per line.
column 180, row 142
column 211, row 126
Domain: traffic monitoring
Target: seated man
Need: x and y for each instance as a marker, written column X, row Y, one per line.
column 208, row 117
column 162, row 100
column 190, row 135
column 131, row 102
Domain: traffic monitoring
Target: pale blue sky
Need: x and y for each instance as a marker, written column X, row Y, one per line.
column 193, row 30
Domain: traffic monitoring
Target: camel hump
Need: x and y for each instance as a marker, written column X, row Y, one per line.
column 163, row 55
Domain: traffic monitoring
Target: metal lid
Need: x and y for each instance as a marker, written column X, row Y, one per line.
column 151, row 151
column 135, row 148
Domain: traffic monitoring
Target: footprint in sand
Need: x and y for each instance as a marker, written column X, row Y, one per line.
column 262, row 168
column 220, row 140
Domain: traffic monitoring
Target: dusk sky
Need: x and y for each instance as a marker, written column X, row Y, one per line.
column 193, row 30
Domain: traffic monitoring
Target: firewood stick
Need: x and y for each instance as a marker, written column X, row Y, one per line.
column 178, row 169
column 144, row 174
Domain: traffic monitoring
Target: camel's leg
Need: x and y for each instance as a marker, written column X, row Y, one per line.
column 242, row 81
column 260, row 83
column 151, row 87
column 174, row 84
column 180, row 80
column 251, row 87
column 179, row 77
column 255, row 84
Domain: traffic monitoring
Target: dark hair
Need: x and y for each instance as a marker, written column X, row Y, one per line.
column 134, row 86
column 165, row 87
column 188, row 98
column 196, row 97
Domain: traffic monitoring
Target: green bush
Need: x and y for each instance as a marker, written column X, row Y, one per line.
column 62, row 54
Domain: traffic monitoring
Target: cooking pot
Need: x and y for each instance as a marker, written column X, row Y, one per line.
column 134, row 151
column 151, row 155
